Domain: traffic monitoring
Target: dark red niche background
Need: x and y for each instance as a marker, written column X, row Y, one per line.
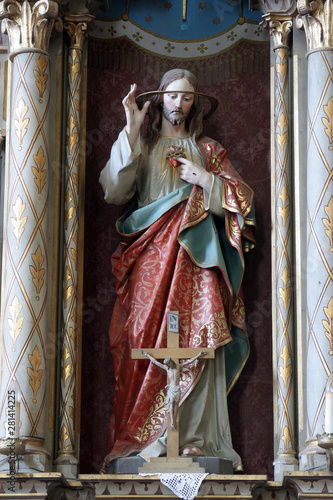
column 242, row 124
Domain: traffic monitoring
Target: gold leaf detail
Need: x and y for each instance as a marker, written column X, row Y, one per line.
column 284, row 210
column 328, row 325
column 285, row 370
column 66, row 369
column 21, row 124
column 71, row 412
column 75, row 179
column 282, row 68
column 285, row 291
column 18, row 221
column 68, row 290
column 71, row 137
column 40, row 75
column 328, row 122
column 35, row 374
column 15, row 324
column 69, row 210
column 37, row 272
column 282, row 138
column 286, row 438
column 39, row 172
column 74, row 251
column 63, row 438
column 328, row 223
column 74, row 69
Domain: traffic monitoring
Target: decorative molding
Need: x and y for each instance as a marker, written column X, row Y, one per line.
column 315, row 17
column 28, row 25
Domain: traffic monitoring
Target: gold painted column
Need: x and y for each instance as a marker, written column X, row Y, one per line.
column 25, row 297
column 76, row 26
column 316, row 19
column 283, row 330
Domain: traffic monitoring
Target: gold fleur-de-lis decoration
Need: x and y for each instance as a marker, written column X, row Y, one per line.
column 34, row 373
column 328, row 324
column 68, row 289
column 63, row 438
column 39, row 171
column 328, row 122
column 285, row 370
column 21, row 123
column 37, row 271
column 66, row 369
column 328, row 223
column 285, row 291
column 40, row 75
column 18, row 222
column 15, row 322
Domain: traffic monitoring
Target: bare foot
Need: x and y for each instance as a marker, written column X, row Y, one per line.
column 192, row 451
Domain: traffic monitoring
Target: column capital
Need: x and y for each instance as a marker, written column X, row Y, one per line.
column 280, row 24
column 77, row 26
column 315, row 17
column 28, row 24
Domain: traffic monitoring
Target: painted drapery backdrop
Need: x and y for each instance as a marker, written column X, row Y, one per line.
column 223, row 44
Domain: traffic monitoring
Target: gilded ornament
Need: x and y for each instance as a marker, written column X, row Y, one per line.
column 28, row 25
column 315, row 17
column 15, row 322
column 68, row 290
column 21, row 123
column 40, row 75
column 282, row 138
column 63, row 438
column 77, row 28
column 285, row 291
column 280, row 31
column 74, row 68
column 66, row 369
column 282, row 67
column 38, row 271
column 328, row 325
column 286, row 438
column 284, row 210
column 328, row 122
column 69, row 212
column 74, row 250
column 328, row 223
column 72, row 136
column 18, row 222
column 39, row 172
column 34, row 373
column 285, row 371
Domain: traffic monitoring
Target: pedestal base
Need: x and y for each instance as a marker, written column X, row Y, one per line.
column 212, row 465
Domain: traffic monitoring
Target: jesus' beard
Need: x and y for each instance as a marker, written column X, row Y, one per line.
column 173, row 118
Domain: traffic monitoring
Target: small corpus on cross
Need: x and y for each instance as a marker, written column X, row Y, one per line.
column 171, row 355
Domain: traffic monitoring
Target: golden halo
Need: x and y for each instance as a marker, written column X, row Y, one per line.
column 211, row 99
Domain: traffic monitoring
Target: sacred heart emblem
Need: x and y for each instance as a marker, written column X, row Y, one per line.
column 174, row 153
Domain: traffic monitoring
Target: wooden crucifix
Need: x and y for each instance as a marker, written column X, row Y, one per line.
column 176, row 353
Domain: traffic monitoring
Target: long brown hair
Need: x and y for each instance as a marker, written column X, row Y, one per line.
column 194, row 120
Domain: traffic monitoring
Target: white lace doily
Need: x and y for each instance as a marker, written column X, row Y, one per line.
column 184, row 485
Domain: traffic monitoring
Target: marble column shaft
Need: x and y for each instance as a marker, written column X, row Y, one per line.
column 24, row 323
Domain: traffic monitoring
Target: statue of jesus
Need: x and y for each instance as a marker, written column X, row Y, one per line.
column 181, row 248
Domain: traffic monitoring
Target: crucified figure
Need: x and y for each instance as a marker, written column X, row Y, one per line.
column 174, row 390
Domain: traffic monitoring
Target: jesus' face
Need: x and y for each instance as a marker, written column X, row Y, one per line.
column 177, row 106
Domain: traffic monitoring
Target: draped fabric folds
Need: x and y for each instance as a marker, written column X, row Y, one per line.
column 174, row 255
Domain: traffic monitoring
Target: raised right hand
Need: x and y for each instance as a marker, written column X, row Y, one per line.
column 134, row 117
